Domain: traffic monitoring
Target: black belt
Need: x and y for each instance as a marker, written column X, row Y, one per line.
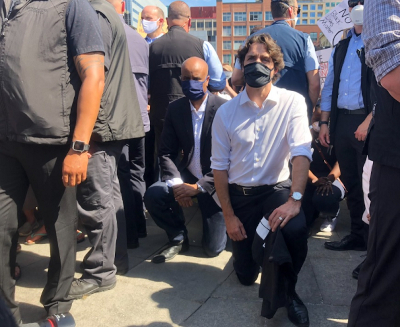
column 352, row 112
column 248, row 190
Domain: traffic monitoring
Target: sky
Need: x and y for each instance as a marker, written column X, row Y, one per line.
column 199, row 3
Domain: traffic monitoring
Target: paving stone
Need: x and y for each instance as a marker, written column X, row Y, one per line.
column 334, row 280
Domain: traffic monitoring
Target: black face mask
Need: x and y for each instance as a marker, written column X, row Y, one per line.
column 257, row 75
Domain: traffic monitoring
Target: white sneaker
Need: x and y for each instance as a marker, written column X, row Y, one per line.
column 329, row 224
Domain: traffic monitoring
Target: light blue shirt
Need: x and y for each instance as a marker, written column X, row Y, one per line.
column 217, row 76
column 350, row 93
column 150, row 41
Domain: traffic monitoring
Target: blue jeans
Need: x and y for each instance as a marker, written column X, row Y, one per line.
column 168, row 215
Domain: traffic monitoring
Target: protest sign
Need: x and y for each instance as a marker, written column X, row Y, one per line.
column 335, row 22
column 323, row 59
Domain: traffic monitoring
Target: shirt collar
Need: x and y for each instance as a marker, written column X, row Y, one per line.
column 272, row 96
column 202, row 107
column 352, row 33
column 150, row 40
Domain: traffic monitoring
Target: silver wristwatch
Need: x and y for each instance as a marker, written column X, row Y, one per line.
column 296, row 196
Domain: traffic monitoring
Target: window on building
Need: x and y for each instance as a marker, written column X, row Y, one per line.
column 328, row 4
column 226, row 17
column 312, row 7
column 313, row 36
column 319, row 14
column 200, row 25
column 312, row 14
column 215, row 24
column 312, row 21
column 240, row 31
column 240, row 17
column 212, row 38
column 208, row 24
column 326, row 11
column 256, row 16
column 227, row 45
column 237, row 45
column 268, row 15
column 320, row 7
column 305, row 7
column 304, row 21
column 333, row 4
column 304, row 14
column 227, row 59
column 252, row 26
column 226, row 31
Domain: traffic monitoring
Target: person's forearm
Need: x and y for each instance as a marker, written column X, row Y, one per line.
column 300, row 169
column 221, row 186
column 91, row 70
column 368, row 119
column 314, row 87
column 311, row 176
column 335, row 172
column 325, row 115
column 230, row 91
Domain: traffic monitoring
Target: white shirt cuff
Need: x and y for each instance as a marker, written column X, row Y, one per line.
column 174, row 181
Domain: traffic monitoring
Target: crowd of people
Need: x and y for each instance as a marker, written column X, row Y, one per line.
column 120, row 125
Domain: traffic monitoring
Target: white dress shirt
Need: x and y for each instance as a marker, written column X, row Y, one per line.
column 254, row 145
column 194, row 166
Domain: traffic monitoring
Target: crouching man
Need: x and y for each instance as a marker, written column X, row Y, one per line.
column 253, row 138
column 188, row 127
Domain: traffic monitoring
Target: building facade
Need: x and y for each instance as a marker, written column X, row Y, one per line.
column 133, row 9
column 236, row 20
column 204, row 24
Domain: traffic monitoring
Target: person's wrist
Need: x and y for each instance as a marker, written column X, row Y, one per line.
column 331, row 178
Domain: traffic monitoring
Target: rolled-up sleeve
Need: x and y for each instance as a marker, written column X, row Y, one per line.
column 217, row 75
column 311, row 60
column 381, row 36
column 298, row 134
column 221, row 144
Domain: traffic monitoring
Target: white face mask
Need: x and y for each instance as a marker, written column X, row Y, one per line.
column 149, row 26
column 357, row 14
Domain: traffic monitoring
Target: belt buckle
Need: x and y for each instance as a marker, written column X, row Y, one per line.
column 244, row 189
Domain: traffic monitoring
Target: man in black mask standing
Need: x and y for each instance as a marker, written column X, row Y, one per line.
column 188, row 127
column 253, row 138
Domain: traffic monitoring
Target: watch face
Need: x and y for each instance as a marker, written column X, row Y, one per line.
column 297, row 196
column 79, row 146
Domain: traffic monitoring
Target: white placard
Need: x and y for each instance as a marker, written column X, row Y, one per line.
column 323, row 60
column 335, row 22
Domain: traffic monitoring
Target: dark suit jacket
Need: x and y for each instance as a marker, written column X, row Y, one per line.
column 178, row 135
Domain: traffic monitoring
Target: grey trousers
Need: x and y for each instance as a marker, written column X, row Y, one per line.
column 100, row 205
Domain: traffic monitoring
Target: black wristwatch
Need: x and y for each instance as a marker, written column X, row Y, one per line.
column 80, row 146
column 322, row 122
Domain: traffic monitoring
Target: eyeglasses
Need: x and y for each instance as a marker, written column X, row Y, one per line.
column 353, row 3
column 298, row 10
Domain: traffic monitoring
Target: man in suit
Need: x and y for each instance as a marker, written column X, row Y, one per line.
column 188, row 127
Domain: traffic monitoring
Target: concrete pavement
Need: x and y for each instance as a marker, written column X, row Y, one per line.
column 193, row 290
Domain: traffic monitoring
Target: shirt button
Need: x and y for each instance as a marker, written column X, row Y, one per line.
column 348, row 66
column 345, row 94
column 258, row 159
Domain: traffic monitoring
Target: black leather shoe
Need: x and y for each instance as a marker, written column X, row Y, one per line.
column 356, row 271
column 171, row 250
column 349, row 242
column 80, row 288
column 247, row 280
column 297, row 311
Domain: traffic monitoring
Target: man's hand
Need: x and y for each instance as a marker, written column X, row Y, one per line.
column 324, row 135
column 185, row 202
column 184, row 190
column 74, row 168
column 286, row 211
column 235, row 228
column 362, row 131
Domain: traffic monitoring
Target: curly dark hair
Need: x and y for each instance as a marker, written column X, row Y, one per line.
column 272, row 48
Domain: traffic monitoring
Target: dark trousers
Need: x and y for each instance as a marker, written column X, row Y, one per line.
column 250, row 209
column 153, row 137
column 376, row 302
column 130, row 175
column 168, row 215
column 100, row 206
column 313, row 204
column 41, row 166
column 351, row 161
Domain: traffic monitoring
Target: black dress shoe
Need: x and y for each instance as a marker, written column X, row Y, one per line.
column 297, row 311
column 80, row 288
column 170, row 251
column 133, row 244
column 356, row 271
column 349, row 242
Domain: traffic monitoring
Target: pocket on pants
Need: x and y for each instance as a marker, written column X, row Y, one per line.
column 96, row 191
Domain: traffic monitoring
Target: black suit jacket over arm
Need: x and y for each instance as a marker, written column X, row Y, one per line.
column 178, row 136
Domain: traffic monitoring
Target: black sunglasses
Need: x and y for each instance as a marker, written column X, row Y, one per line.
column 353, row 3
